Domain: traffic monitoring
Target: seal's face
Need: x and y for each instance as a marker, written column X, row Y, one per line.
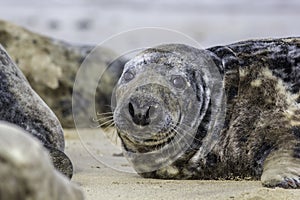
column 150, row 105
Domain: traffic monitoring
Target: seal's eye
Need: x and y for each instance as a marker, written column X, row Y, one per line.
column 128, row 76
column 178, row 81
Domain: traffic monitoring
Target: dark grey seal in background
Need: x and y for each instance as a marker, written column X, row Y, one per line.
column 229, row 112
column 50, row 66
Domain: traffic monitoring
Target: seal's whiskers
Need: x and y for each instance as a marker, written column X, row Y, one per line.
column 105, row 113
column 187, row 131
column 102, row 118
column 107, row 123
column 180, row 137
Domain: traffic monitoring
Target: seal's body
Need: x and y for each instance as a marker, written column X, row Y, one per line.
column 229, row 112
column 21, row 106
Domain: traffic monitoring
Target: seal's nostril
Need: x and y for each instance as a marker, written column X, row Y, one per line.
column 147, row 116
column 140, row 116
column 131, row 109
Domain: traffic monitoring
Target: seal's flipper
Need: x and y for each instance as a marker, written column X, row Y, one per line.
column 281, row 169
column 61, row 161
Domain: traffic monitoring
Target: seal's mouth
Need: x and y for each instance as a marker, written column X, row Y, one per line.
column 157, row 141
column 147, row 145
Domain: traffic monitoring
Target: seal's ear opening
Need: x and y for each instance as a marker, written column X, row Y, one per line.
column 61, row 161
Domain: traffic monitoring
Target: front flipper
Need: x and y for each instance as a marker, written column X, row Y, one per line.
column 282, row 169
column 61, row 161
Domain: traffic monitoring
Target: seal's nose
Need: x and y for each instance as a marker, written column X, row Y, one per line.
column 141, row 115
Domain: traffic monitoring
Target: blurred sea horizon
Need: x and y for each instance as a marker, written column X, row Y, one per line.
column 210, row 22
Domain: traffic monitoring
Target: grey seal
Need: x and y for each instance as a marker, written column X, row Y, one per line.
column 20, row 105
column 227, row 112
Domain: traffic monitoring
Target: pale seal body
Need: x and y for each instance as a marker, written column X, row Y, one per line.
column 229, row 112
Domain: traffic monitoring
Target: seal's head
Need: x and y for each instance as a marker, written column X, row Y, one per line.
column 160, row 101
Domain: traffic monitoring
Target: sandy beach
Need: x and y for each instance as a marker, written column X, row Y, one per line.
column 99, row 181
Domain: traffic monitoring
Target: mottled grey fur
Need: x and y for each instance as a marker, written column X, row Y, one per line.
column 51, row 66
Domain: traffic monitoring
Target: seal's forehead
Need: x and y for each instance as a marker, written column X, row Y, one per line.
column 149, row 57
column 171, row 55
